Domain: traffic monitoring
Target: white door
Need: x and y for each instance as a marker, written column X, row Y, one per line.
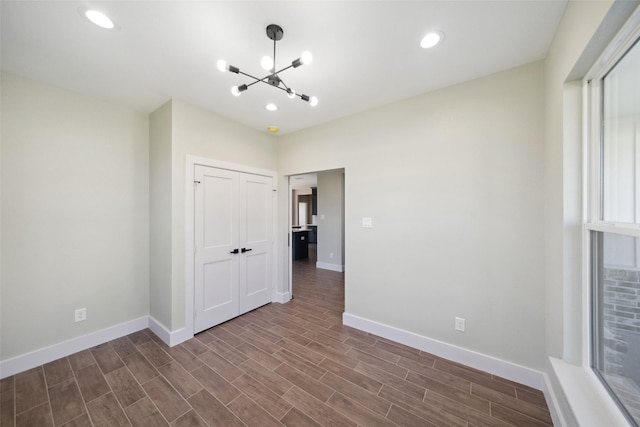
column 216, row 238
column 233, row 229
column 256, row 223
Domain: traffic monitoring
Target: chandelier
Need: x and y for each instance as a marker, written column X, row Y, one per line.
column 275, row 33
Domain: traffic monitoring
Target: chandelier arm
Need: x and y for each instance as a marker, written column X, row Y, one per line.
column 262, row 80
column 285, row 68
column 253, row 77
column 257, row 80
column 283, row 84
column 285, row 90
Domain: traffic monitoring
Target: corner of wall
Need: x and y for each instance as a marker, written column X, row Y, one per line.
column 160, row 215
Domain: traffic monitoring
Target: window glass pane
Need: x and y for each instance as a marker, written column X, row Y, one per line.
column 621, row 140
column 616, row 298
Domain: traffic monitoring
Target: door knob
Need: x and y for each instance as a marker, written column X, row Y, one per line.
column 235, row 251
column 243, row 250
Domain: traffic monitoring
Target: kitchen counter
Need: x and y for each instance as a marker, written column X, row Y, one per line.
column 308, row 227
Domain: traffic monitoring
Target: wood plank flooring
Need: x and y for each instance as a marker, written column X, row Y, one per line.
column 290, row 364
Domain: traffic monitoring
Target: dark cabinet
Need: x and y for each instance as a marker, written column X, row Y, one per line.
column 300, row 242
column 313, row 233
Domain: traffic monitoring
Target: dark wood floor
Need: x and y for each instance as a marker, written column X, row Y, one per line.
column 290, row 364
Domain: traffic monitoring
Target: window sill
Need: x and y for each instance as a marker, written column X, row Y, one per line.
column 590, row 403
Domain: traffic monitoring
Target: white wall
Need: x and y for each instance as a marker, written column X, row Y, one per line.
column 453, row 182
column 195, row 131
column 330, row 220
column 75, row 219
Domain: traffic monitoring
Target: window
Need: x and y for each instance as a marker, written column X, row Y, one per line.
column 613, row 224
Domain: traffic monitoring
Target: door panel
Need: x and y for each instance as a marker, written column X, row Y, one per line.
column 257, row 267
column 217, row 284
column 216, row 236
column 219, row 212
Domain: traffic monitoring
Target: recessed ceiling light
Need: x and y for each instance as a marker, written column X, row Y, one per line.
column 272, row 107
column 100, row 19
column 432, row 39
column 273, row 129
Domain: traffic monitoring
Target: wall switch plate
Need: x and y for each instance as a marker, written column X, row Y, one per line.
column 367, row 222
column 459, row 324
column 80, row 314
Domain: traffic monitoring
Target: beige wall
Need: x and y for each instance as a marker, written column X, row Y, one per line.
column 330, row 219
column 75, row 215
column 160, row 206
column 197, row 132
column 453, row 182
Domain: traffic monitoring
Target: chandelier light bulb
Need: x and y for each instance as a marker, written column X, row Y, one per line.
column 431, row 39
column 313, row 101
column 235, row 91
column 222, row 65
column 267, row 63
column 291, row 93
column 306, row 57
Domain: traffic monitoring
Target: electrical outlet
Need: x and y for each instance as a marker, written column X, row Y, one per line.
column 331, row 255
column 459, row 324
column 80, row 314
column 367, row 222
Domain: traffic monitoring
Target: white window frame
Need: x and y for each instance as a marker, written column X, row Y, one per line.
column 592, row 175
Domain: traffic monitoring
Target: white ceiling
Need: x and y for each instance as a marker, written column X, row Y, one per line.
column 365, row 53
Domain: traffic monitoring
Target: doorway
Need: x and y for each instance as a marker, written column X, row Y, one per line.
column 316, row 220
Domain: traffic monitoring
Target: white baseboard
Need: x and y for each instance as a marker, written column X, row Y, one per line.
column 333, row 267
column 281, row 297
column 490, row 364
column 35, row 358
column 168, row 337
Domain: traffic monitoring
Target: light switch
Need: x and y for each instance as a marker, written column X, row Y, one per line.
column 321, row 216
column 367, row 223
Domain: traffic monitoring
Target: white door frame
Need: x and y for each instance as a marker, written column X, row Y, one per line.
column 189, row 259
